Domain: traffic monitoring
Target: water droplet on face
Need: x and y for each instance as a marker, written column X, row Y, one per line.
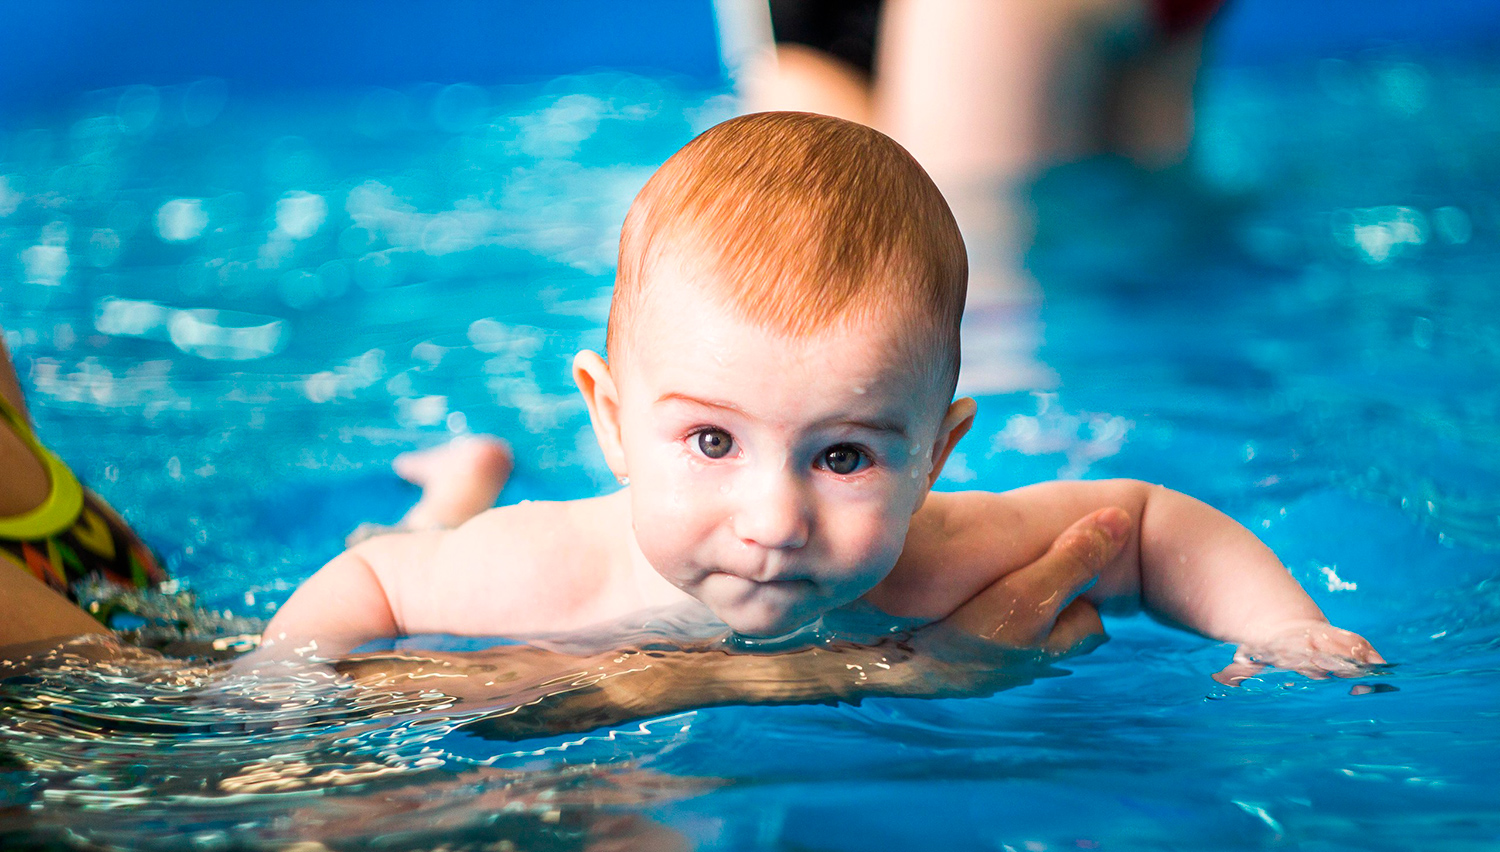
column 915, row 449
column 859, row 390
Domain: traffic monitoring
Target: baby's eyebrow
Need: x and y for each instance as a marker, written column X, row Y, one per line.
column 892, row 427
column 693, row 400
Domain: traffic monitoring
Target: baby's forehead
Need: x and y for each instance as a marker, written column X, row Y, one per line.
column 687, row 331
column 686, row 304
column 783, row 295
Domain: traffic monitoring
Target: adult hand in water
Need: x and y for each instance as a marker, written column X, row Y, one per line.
column 1039, row 606
column 1002, row 637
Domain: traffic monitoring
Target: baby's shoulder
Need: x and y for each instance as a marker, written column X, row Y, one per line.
column 531, row 526
column 951, row 522
column 960, row 542
column 555, row 541
column 1033, row 514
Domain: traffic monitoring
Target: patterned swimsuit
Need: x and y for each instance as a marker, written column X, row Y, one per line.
column 73, row 536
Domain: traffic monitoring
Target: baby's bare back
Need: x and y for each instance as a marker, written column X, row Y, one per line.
column 535, row 567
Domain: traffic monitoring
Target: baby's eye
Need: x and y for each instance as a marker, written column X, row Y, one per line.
column 715, row 443
column 845, row 459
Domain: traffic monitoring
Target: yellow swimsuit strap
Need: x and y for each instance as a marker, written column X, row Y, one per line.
column 65, row 499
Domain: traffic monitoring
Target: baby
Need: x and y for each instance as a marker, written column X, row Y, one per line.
column 778, row 401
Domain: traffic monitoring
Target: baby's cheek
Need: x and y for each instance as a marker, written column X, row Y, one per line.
column 667, row 530
column 873, row 541
column 678, row 487
column 654, row 530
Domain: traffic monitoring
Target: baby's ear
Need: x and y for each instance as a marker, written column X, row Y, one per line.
column 956, row 424
column 600, row 394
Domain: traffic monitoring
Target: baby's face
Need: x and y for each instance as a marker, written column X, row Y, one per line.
column 772, row 478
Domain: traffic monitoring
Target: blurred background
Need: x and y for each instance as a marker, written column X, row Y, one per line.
column 55, row 52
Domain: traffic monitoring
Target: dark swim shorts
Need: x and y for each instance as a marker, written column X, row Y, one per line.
column 847, row 29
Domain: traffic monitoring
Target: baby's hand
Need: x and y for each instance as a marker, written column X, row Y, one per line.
column 1313, row 648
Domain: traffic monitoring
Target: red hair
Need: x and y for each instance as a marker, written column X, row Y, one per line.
column 800, row 219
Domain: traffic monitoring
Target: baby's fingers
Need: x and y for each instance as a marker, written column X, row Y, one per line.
column 1340, row 653
column 1237, row 672
column 1352, row 646
column 1318, row 652
column 1244, row 667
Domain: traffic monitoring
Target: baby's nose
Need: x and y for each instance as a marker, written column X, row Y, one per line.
column 775, row 517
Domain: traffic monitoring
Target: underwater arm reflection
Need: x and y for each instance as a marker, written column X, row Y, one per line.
column 635, row 683
column 1005, row 636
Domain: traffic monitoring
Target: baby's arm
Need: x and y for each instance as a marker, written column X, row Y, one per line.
column 345, row 604
column 1200, row 569
column 1185, row 563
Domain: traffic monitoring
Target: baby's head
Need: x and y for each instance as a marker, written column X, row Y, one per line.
column 783, row 348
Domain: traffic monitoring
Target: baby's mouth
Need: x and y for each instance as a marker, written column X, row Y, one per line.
column 770, row 582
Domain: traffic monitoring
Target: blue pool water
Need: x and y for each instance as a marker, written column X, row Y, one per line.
column 230, row 316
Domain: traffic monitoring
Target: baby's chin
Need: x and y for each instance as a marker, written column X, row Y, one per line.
column 758, row 618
